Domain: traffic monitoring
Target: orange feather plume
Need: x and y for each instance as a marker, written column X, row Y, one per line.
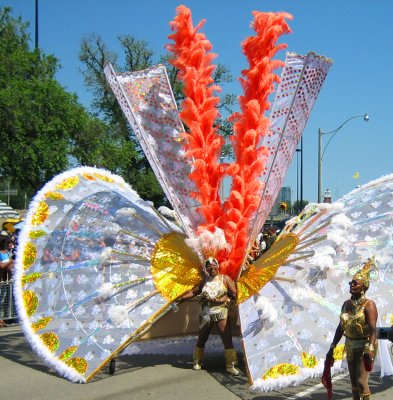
column 192, row 57
column 203, row 145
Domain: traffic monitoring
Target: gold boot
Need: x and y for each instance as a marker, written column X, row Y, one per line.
column 231, row 362
column 198, row 357
column 366, row 396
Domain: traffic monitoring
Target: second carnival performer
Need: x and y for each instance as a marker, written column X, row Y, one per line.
column 216, row 292
column 358, row 321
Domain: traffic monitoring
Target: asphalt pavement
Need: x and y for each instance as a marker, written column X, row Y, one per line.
column 161, row 377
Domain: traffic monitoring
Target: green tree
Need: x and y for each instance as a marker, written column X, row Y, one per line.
column 298, row 206
column 38, row 117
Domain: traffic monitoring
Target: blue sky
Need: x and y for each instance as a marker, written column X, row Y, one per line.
column 356, row 34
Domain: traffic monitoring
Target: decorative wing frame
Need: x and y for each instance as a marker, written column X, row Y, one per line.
column 301, row 81
column 147, row 101
column 288, row 324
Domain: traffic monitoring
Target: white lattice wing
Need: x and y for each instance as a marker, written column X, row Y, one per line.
column 288, row 325
column 83, row 280
column 147, row 101
column 301, row 81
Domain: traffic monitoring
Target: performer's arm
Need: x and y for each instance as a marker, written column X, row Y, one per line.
column 230, row 286
column 371, row 314
column 193, row 292
column 337, row 337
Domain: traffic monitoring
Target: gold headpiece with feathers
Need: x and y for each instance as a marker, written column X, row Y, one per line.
column 364, row 274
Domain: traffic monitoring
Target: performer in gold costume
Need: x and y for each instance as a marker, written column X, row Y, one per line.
column 358, row 320
column 216, row 292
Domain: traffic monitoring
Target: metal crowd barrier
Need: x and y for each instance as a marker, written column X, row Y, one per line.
column 8, row 312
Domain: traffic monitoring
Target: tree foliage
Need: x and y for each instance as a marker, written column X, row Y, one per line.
column 43, row 128
column 298, row 206
column 38, row 117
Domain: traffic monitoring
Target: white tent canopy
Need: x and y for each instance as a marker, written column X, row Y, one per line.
column 7, row 212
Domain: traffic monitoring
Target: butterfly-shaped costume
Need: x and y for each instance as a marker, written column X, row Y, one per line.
column 99, row 269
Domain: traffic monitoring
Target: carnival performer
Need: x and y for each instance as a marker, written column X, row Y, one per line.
column 358, row 320
column 216, row 292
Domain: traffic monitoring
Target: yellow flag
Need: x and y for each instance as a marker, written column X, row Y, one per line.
column 356, row 175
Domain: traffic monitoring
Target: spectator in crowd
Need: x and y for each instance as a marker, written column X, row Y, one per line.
column 271, row 237
column 6, row 266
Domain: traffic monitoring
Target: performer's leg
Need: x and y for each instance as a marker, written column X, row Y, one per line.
column 224, row 327
column 203, row 335
column 353, row 375
column 363, row 381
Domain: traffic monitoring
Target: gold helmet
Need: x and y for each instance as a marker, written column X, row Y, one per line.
column 364, row 274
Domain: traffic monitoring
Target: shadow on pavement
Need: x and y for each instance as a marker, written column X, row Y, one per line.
column 15, row 348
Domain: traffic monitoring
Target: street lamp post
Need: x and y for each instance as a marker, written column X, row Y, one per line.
column 300, row 150
column 36, row 25
column 321, row 150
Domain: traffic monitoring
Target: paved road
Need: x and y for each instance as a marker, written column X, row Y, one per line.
column 24, row 376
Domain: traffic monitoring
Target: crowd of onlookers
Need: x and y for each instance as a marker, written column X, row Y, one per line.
column 263, row 242
column 8, row 245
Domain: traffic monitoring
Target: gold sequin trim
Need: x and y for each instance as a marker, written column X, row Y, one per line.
column 41, row 214
column 79, row 364
column 29, row 255
column 309, row 360
column 41, row 324
column 338, row 352
column 30, row 301
column 31, row 278
column 50, row 340
column 103, row 178
column 68, row 183
column 89, row 177
column 67, row 353
column 54, row 196
column 281, row 369
column 36, row 234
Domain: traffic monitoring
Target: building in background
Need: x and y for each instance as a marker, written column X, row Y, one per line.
column 327, row 198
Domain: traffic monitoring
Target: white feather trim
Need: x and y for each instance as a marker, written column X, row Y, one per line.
column 326, row 250
column 105, row 290
column 166, row 212
column 118, row 314
column 105, row 255
column 209, row 243
column 335, row 276
column 125, row 212
column 111, row 229
column 268, row 310
column 321, row 260
column 341, row 220
column 338, row 236
column 336, row 207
